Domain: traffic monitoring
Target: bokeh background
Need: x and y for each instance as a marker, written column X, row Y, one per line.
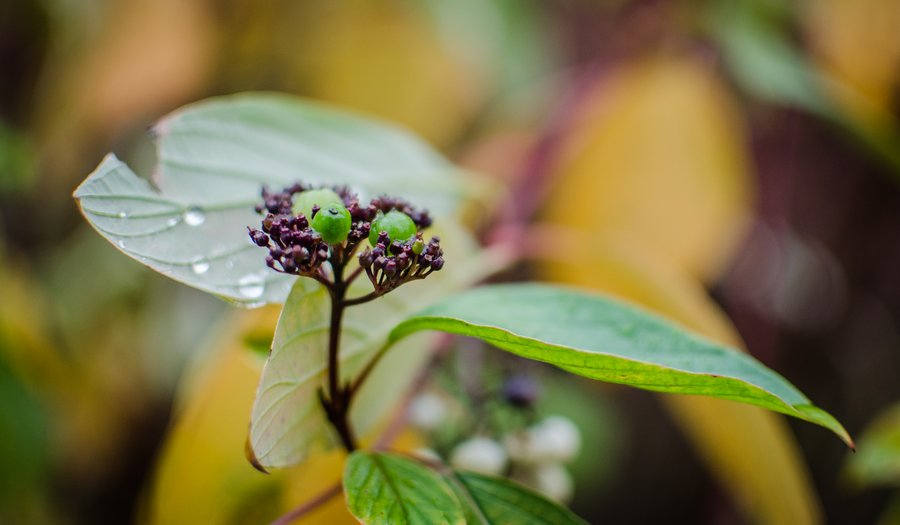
column 735, row 165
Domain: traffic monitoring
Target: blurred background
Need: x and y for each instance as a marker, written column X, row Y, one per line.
column 734, row 165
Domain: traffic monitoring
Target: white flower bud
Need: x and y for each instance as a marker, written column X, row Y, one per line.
column 479, row 454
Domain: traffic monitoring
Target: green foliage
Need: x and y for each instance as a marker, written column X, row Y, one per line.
column 190, row 223
column 489, row 500
column 878, row 459
column 604, row 339
column 393, row 490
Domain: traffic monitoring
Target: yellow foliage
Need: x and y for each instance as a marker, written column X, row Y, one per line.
column 651, row 197
column 856, row 43
column 656, row 155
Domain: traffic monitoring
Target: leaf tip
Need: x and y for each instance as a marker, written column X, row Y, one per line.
column 816, row 415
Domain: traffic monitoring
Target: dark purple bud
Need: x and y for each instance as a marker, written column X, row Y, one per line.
column 259, row 238
column 379, row 262
column 366, row 259
column 521, row 391
column 390, row 268
column 270, row 261
column 396, row 247
column 437, row 263
column 402, row 261
column 299, row 254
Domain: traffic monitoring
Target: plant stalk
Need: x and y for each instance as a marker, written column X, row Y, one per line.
column 338, row 402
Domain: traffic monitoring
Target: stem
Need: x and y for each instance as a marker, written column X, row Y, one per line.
column 338, row 402
column 309, row 506
column 362, row 299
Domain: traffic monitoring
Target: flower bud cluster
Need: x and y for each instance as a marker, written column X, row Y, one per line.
column 295, row 247
column 390, row 264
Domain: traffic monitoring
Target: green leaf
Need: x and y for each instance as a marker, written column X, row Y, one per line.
column 604, row 339
column 488, row 500
column 287, row 419
column 393, row 490
column 189, row 222
column 878, row 459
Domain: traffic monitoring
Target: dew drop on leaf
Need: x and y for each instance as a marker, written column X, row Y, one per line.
column 199, row 266
column 194, row 216
column 251, row 286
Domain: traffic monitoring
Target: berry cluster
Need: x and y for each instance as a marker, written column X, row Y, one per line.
column 305, row 226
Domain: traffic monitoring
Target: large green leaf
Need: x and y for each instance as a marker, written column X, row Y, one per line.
column 287, row 418
column 393, row 490
column 189, row 221
column 605, row 339
column 488, row 500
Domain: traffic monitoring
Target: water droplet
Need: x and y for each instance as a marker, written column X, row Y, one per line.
column 194, row 216
column 251, row 286
column 172, row 222
column 256, row 304
column 122, row 214
column 120, row 244
column 199, row 266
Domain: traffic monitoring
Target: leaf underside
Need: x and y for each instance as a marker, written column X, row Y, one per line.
column 189, row 222
column 608, row 340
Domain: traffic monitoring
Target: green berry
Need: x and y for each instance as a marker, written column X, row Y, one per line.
column 418, row 247
column 323, row 198
column 398, row 225
column 332, row 223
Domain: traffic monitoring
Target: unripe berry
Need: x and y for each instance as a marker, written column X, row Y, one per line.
column 323, row 198
column 398, row 225
column 332, row 223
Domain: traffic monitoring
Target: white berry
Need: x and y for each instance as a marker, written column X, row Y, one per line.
column 479, row 454
column 553, row 480
column 427, row 412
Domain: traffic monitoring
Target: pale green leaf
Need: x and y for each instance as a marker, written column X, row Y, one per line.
column 190, row 222
column 488, row 500
column 392, row 490
column 608, row 340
